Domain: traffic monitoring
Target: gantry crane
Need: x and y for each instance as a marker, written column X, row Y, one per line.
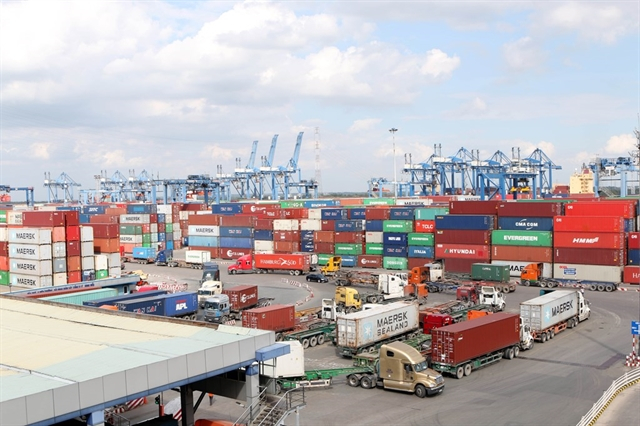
column 27, row 189
column 63, row 183
column 247, row 179
column 612, row 170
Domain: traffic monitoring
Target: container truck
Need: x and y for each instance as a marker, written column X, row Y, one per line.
column 142, row 255
column 368, row 330
column 293, row 263
column 553, row 312
column 399, row 366
column 176, row 305
column 229, row 304
column 591, row 277
column 194, row 259
column 333, row 265
column 390, row 288
column 276, row 318
column 460, row 348
column 208, row 289
column 483, row 274
column 121, row 297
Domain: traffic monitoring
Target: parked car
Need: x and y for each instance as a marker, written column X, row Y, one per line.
column 319, row 278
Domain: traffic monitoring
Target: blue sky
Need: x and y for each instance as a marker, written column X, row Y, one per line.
column 178, row 88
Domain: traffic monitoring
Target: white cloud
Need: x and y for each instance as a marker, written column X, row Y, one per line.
column 621, row 145
column 439, row 65
column 523, row 54
column 364, row 124
column 40, row 150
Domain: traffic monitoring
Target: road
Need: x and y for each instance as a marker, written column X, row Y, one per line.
column 555, row 383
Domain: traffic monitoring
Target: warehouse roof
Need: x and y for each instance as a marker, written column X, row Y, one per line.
column 60, row 361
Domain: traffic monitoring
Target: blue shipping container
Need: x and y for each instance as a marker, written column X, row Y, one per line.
column 88, row 275
column 227, row 208
column 394, row 239
column 349, row 225
column 263, row 235
column 170, row 305
column 202, row 241
column 395, row 251
column 396, row 213
column 307, row 245
column 633, row 257
column 169, row 244
column 349, row 260
column 236, row 242
column 333, row 214
column 96, row 209
column 142, row 208
column 357, row 213
column 306, row 235
column 162, row 237
column 421, row 251
column 84, row 218
column 629, row 225
column 162, row 218
column 314, row 204
column 374, row 225
column 307, row 249
column 232, row 231
column 525, row 223
column 465, row 221
column 144, row 252
column 121, row 297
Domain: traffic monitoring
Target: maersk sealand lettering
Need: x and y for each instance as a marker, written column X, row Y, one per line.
column 392, row 323
column 561, row 308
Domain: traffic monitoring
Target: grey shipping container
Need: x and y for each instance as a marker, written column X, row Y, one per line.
column 589, row 273
column 550, row 309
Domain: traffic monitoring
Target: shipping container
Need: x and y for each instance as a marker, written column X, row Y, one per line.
column 30, row 251
column 374, row 249
column 601, row 240
column 142, row 208
column 29, row 235
column 227, row 208
column 429, row 214
column 462, row 266
column 310, row 225
column 397, row 226
column 516, row 268
column 349, row 237
column 236, row 222
column 589, row 224
column 263, row 234
column 328, row 225
column 394, row 251
column 454, row 236
column 236, row 242
column 374, row 237
column 320, row 247
column 31, row 267
column 277, row 318
column 633, row 257
column 490, row 272
column 376, row 214
column 426, row 252
column 334, row 214
column 242, row 296
column 80, row 297
column 135, row 219
column 466, row 222
column 395, row 263
column 349, row 225
column 369, row 261
column 428, row 226
column 394, row 239
column 464, row 341
column 202, row 219
column 324, row 237
column 489, row 207
column 343, row 248
column 633, row 240
column 23, row 280
column 201, row 241
column 522, row 209
column 463, row 251
column 580, row 272
column 204, row 230
column 525, row 223
column 357, row 213
column 619, row 208
column 168, row 305
column 522, row 253
column 240, row 232
column 589, row 256
column 550, row 309
column 522, row 238
column 374, row 225
column 420, row 239
column 286, row 225
column 401, row 213
column 631, row 274
column 286, row 236
column 44, row 219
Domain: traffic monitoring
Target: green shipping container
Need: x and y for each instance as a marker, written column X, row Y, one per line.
column 146, row 238
column 420, row 239
column 397, row 263
column 168, row 227
column 429, row 213
column 378, row 202
column 146, row 244
column 82, row 296
column 4, row 278
column 323, row 258
column 397, row 226
column 3, row 216
column 102, row 274
column 490, row 272
column 344, row 248
column 291, row 204
column 521, row 238
column 130, row 229
column 374, row 248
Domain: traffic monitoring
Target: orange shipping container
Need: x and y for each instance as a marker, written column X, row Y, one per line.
column 115, row 211
column 124, row 248
column 58, row 234
column 286, row 246
column 104, row 218
column 107, row 245
column 215, row 251
column 522, row 253
column 4, row 263
column 324, row 236
column 74, row 263
column 74, row 277
column 202, row 219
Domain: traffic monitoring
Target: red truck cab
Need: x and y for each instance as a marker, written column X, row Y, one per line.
column 243, row 264
column 433, row 321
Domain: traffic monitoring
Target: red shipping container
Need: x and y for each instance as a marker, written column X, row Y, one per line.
column 328, row 225
column 631, row 274
column 238, row 220
column 349, row 237
column 582, row 256
column 463, row 251
column 105, row 230
column 43, row 219
column 325, row 248
column 4, row 251
column 242, row 296
column 153, row 218
column 369, row 261
column 115, row 211
column 101, row 245
column 146, row 228
column 459, row 236
column 286, row 235
column 427, row 226
column 297, row 213
column 413, row 262
column 474, row 207
column 215, row 251
column 272, row 214
column 264, row 224
column 104, row 218
column 233, row 253
column 377, row 213
column 633, row 241
column 522, row 253
column 162, row 227
column 588, row 224
column 175, row 218
column 125, row 248
column 4, row 263
column 462, row 266
column 249, row 208
column 73, row 233
column 72, row 218
column 620, row 208
column 176, row 208
column 74, row 277
column 286, row 246
column 58, row 234
column 74, row 263
column 599, row 240
column 194, row 207
column 537, row 209
column 276, row 318
column 324, row 237
column 203, row 219
column 461, row 342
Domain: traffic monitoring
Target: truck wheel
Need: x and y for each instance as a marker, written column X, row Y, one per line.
column 516, row 351
column 543, row 284
column 305, row 343
column 548, row 334
column 313, row 341
column 353, row 380
column 279, row 337
column 366, row 382
column 510, row 353
column 232, row 272
column 224, row 319
column 290, row 272
column 296, row 272
column 371, row 349
column 600, row 287
column 543, row 337
column 467, row 369
column 610, row 288
column 593, row 287
column 420, row 391
column 278, row 388
column 380, row 299
column 525, row 283
column 321, row 339
column 460, row 372
column 553, row 334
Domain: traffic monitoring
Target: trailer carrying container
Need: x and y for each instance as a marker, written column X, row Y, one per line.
column 278, row 318
column 361, row 330
column 242, row 296
column 587, row 273
column 553, row 312
column 129, row 296
column 180, row 305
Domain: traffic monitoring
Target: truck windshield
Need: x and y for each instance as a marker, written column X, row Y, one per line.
column 421, row 366
column 211, row 305
column 205, row 293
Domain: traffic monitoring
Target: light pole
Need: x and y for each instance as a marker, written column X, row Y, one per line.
column 393, row 131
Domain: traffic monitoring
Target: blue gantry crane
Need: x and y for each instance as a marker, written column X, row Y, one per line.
column 612, row 171
column 247, row 180
column 63, row 183
column 28, row 190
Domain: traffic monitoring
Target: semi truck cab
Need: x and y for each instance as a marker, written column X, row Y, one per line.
column 217, row 308
column 207, row 289
column 401, row 367
column 243, row 264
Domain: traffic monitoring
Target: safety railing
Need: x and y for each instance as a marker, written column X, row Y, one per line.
column 628, row 379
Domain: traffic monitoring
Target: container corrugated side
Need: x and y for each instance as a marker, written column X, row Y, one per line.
column 550, row 309
column 567, row 271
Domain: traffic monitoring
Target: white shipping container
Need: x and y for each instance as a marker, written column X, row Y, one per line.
column 154, row 237
column 30, row 235
column 14, row 218
column 31, row 280
column 59, row 265
column 59, row 249
column 4, row 233
column 202, row 212
column 310, row 225
column 315, row 214
column 184, row 214
column 203, row 230
column 101, row 261
column 31, row 267
column 115, row 272
column 263, row 251
column 130, row 239
column 516, row 268
column 113, row 260
column 413, row 202
column 262, row 245
column 177, row 234
column 86, row 249
column 44, row 208
column 60, row 279
column 134, row 219
column 197, row 256
column 87, row 263
column 86, row 233
column 153, row 227
column 165, row 209
column 374, row 237
column 610, row 274
column 550, row 309
column 290, row 365
column 30, row 251
column 286, row 225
